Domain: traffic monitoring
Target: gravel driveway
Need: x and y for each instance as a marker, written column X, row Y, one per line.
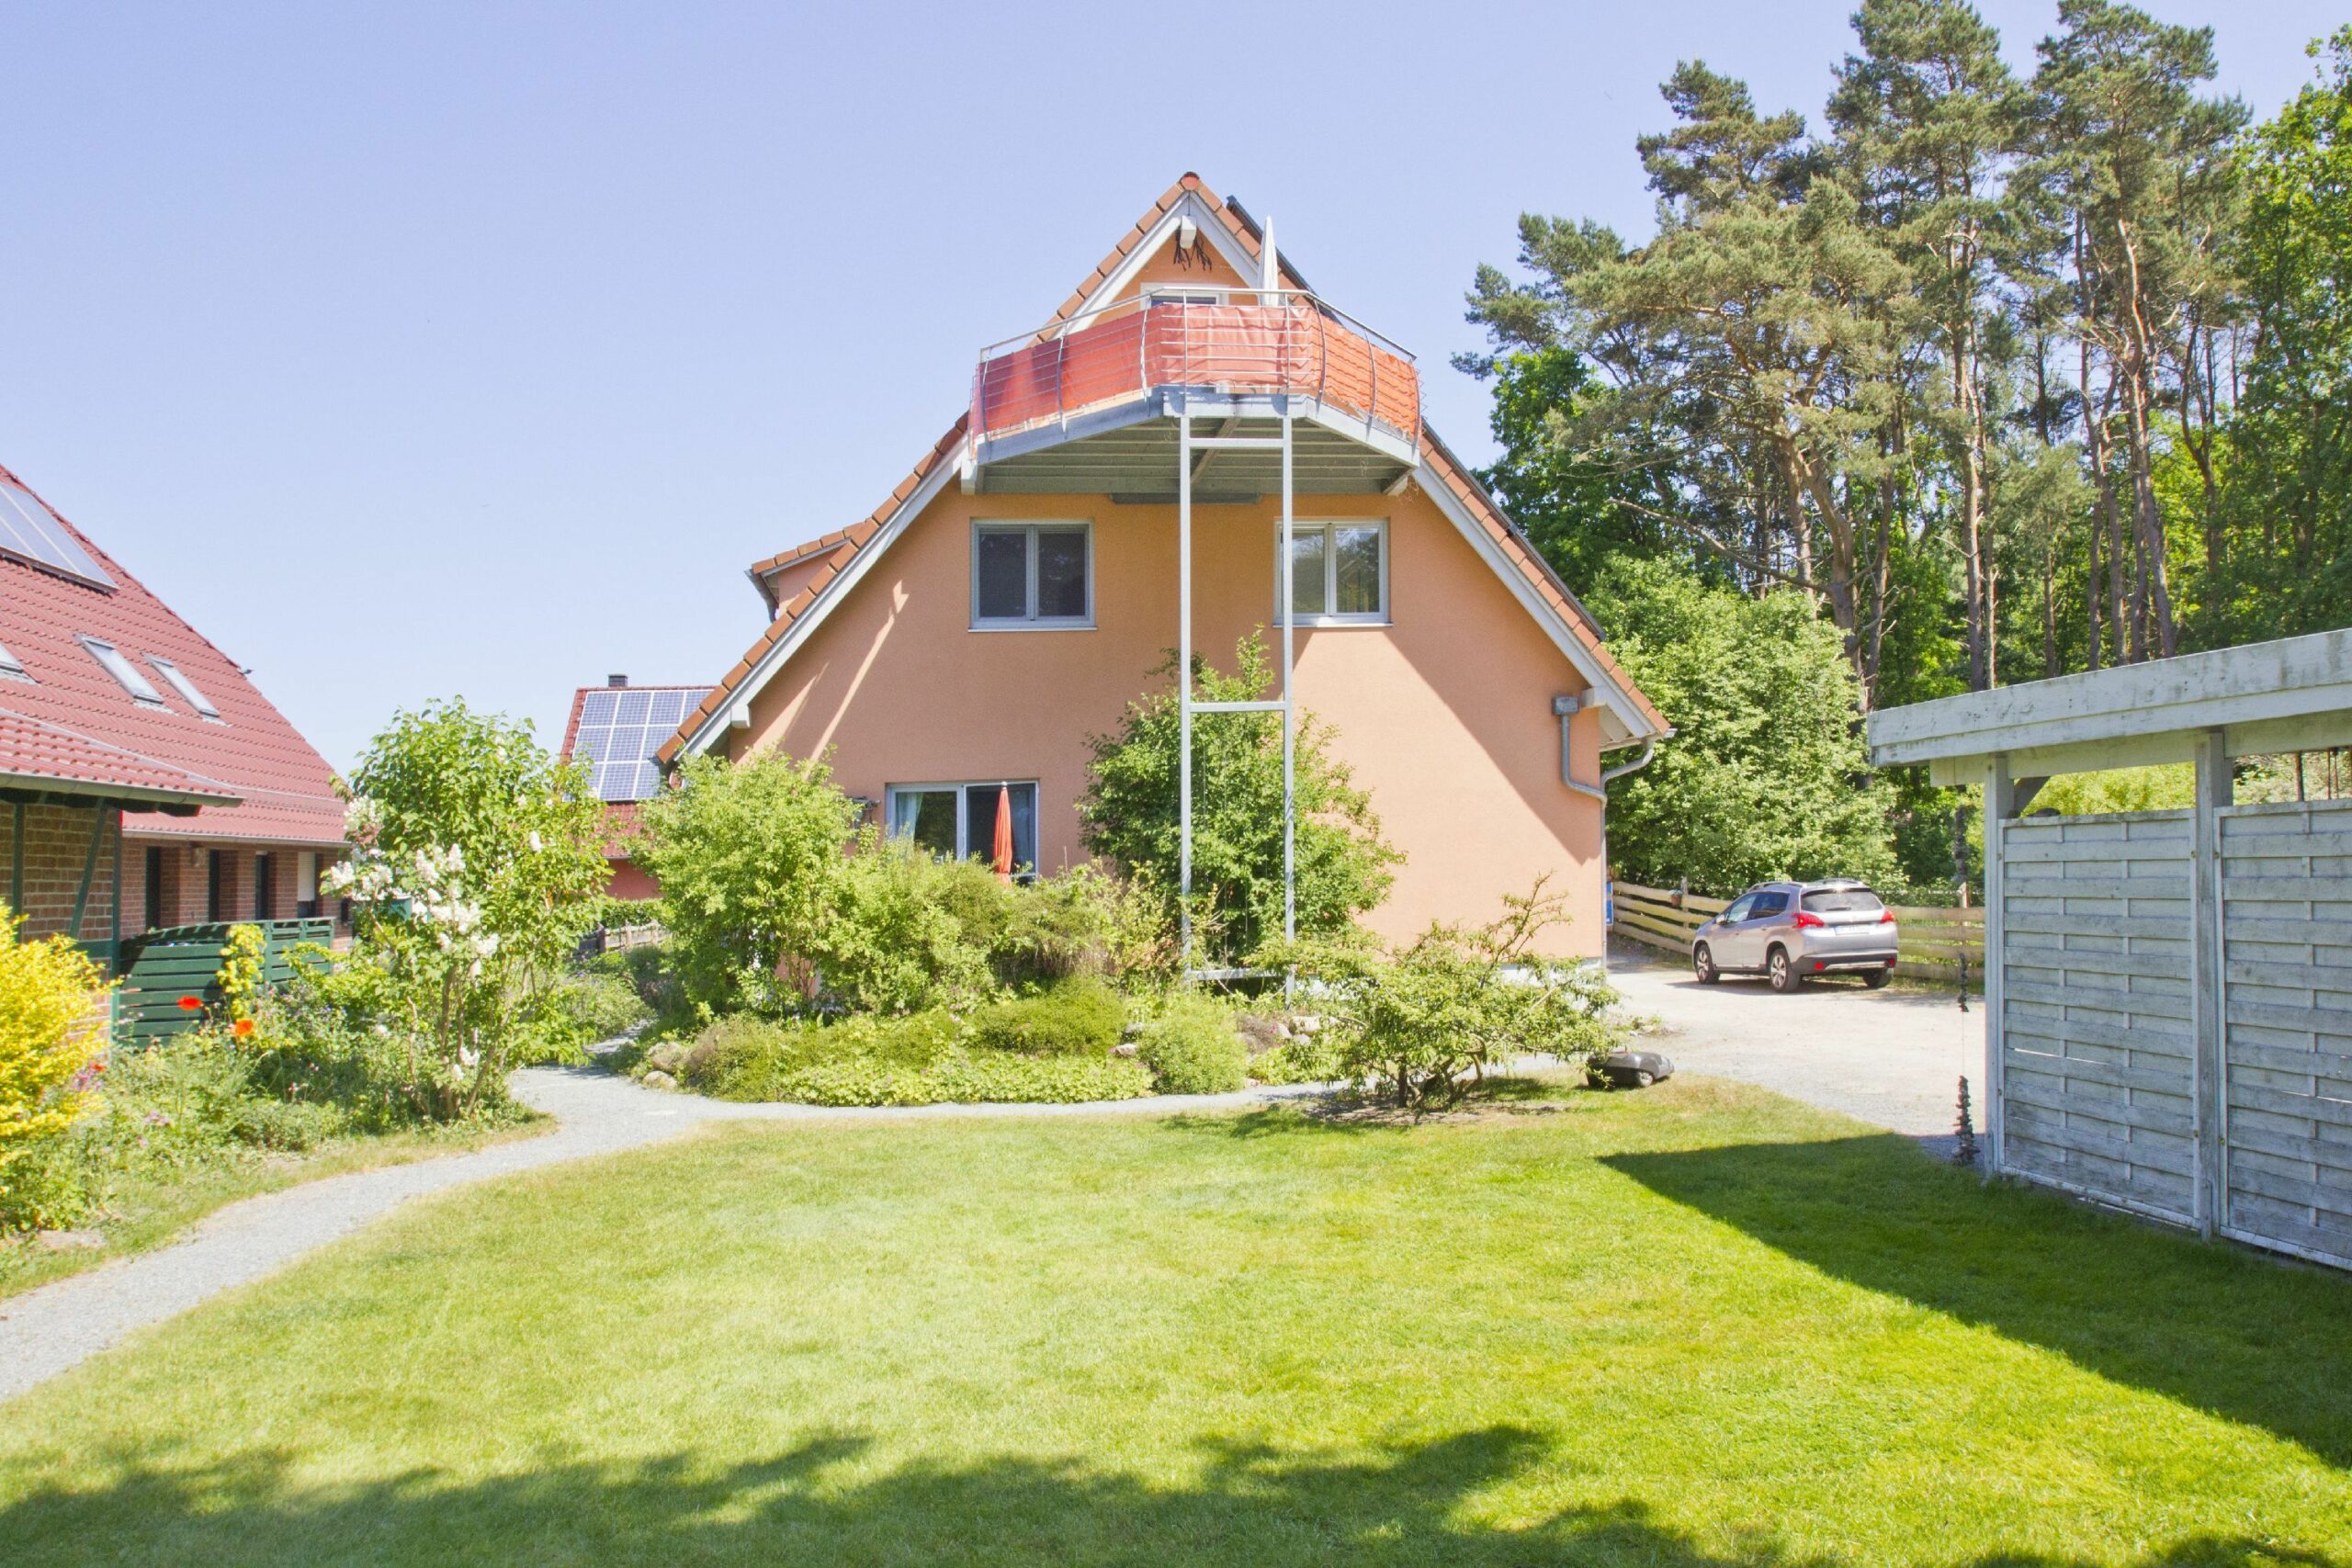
column 1893, row 1058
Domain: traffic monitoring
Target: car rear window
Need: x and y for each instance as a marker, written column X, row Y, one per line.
column 1843, row 901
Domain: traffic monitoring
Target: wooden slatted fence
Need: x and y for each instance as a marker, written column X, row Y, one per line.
column 1934, row 941
column 174, row 962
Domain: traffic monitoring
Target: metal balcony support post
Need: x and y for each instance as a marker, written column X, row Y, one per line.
column 1184, row 680
column 1290, row 731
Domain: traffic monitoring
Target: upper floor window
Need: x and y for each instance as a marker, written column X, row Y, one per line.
column 1338, row 573
column 142, row 690
column 1033, row 574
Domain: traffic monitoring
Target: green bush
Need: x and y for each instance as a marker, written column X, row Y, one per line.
column 1193, row 1048
column 1077, row 1018
column 573, row 1011
column 894, row 937
column 1131, row 808
column 1302, row 1059
column 963, row 1080
column 918, row 1059
column 748, row 855
column 1421, row 1018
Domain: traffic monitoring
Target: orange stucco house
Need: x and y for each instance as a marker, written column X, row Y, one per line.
column 955, row 648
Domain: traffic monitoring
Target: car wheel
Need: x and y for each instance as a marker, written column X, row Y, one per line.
column 1643, row 1081
column 1703, row 963
column 1784, row 973
column 1877, row 978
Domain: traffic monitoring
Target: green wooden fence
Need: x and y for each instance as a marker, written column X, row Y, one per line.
column 162, row 968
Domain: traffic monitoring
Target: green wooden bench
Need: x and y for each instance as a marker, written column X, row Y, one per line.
column 160, row 967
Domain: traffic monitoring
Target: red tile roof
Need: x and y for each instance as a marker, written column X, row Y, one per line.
column 1440, row 465
column 73, row 722
column 48, row 753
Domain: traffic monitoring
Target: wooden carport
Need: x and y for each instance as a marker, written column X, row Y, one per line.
column 2169, row 992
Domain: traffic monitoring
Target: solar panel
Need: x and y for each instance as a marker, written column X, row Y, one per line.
column 30, row 533
column 620, row 730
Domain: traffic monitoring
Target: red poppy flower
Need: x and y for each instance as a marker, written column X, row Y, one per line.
column 191, row 1004
column 242, row 1028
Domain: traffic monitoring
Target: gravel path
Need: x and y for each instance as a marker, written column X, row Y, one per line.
column 1891, row 1057
column 49, row 1329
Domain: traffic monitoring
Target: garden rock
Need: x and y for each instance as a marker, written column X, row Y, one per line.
column 1126, row 1050
column 1262, row 1034
column 666, row 1059
column 657, row 1079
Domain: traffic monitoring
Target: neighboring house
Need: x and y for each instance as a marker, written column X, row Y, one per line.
column 148, row 781
column 615, row 729
column 958, row 647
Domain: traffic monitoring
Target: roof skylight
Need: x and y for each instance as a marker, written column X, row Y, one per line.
column 141, row 690
column 12, row 667
column 184, row 686
column 31, row 532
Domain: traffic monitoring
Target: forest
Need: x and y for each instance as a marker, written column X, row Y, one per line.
column 1982, row 378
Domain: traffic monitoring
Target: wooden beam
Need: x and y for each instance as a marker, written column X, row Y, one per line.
column 89, row 869
column 2209, row 1028
column 2293, row 679
column 2000, row 807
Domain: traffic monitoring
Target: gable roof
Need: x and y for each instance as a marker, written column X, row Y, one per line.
column 1446, row 479
column 70, row 724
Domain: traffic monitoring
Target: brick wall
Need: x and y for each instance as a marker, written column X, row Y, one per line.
column 56, row 846
column 186, row 869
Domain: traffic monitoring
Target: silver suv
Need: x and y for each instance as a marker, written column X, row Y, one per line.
column 1790, row 931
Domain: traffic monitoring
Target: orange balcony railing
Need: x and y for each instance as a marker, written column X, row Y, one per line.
column 1222, row 341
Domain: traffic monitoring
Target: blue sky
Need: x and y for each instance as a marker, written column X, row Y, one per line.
column 413, row 350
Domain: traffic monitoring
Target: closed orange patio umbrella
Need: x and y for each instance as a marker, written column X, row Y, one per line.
column 1001, row 854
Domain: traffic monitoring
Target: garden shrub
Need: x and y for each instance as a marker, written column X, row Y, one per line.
column 242, row 958
column 1192, row 1047
column 1301, row 1059
column 1077, row 1018
column 917, row 1059
column 749, row 856
column 1455, row 1002
column 48, row 1035
column 573, row 1010
column 892, row 940
column 1131, row 808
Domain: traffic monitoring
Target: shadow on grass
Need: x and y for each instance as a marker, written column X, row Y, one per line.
column 819, row 1503
column 2210, row 1325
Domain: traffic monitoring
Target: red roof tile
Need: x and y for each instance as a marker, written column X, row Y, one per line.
column 73, row 721
column 35, row 751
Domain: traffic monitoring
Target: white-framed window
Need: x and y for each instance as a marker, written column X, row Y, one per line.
column 1339, row 572
column 142, row 690
column 1032, row 576
column 185, row 687
column 958, row 822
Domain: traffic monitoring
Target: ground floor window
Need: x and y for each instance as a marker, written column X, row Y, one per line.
column 264, row 886
column 959, row 820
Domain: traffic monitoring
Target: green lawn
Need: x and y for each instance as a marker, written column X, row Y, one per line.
column 1692, row 1328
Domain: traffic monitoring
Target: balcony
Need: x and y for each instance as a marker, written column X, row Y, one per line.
column 1088, row 406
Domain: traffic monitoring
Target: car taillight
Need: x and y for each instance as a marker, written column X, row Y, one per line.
column 1886, row 917
column 1808, row 923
